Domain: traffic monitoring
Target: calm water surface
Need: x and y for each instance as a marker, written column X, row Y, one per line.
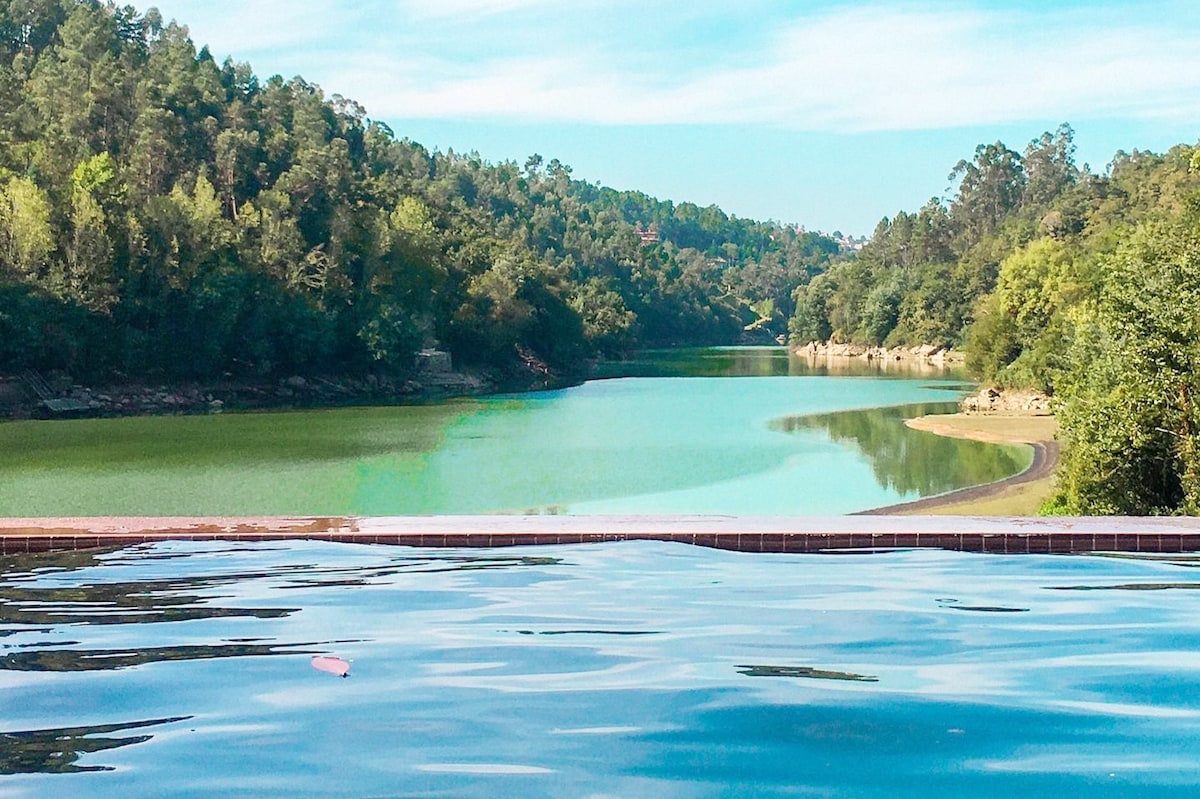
column 749, row 432
column 622, row 670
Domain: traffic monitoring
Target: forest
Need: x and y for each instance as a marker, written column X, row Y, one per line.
column 165, row 216
column 1085, row 286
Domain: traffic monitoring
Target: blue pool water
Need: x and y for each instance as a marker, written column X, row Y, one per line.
column 624, row 670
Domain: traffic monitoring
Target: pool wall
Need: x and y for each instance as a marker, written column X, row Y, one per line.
column 1057, row 535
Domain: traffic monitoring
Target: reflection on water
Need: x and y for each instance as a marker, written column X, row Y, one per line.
column 107, row 659
column 1131, row 587
column 120, row 603
column 913, row 461
column 765, row 362
column 58, row 751
column 30, row 601
column 587, row 632
column 954, row 604
column 636, row 669
column 807, row 672
column 658, row 444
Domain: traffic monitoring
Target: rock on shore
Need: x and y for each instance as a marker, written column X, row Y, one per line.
column 138, row 399
column 928, row 353
column 994, row 400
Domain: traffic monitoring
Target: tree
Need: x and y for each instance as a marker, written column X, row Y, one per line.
column 607, row 323
column 236, row 152
column 1049, row 164
column 26, row 236
column 88, row 274
column 1131, row 418
column 810, row 322
column 1024, row 330
column 166, row 215
column 989, row 187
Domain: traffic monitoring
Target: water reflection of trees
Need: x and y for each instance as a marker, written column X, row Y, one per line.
column 26, row 601
column 805, row 672
column 73, row 660
column 132, row 602
column 912, row 461
column 193, row 442
column 29, row 603
column 764, row 362
column 64, row 593
column 57, row 751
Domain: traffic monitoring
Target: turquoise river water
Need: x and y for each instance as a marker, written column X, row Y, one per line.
column 746, row 431
column 619, row 671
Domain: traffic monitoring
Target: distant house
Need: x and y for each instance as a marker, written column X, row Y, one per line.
column 647, row 235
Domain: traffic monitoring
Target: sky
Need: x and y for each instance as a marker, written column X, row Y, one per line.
column 830, row 115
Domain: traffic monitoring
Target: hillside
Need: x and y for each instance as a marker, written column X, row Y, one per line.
column 166, row 216
column 1055, row 278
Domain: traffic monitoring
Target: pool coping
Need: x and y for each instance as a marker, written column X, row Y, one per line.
column 777, row 534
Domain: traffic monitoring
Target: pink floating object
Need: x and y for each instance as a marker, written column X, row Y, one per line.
column 332, row 665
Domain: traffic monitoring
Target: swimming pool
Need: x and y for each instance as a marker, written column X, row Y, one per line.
column 638, row 669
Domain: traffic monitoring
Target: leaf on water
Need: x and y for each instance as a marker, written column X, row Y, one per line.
column 331, row 665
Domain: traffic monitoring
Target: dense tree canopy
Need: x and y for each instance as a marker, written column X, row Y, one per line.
column 164, row 214
column 921, row 277
column 1131, row 398
column 1051, row 277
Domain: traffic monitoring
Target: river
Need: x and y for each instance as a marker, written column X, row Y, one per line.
column 731, row 431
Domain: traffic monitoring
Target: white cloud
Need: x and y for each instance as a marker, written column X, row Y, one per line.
column 538, row 89
column 243, row 29
column 469, row 8
column 857, row 69
column 849, row 68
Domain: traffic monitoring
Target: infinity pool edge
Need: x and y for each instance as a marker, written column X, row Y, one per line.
column 999, row 535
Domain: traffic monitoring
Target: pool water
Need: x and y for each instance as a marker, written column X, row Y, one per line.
column 638, row 669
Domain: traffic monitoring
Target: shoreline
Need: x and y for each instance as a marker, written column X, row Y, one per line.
column 927, row 354
column 63, row 399
column 1028, row 487
column 55, row 395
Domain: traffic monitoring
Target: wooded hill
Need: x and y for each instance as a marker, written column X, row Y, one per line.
column 165, row 215
column 1083, row 285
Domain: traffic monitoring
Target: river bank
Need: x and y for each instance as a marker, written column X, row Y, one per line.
column 67, row 399
column 1020, row 495
column 58, row 395
column 930, row 355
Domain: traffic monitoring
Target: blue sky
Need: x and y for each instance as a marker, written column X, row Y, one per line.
column 830, row 115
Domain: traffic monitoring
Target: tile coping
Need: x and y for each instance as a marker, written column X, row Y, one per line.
column 1058, row 535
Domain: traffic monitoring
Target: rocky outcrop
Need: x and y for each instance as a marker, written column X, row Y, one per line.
column 994, row 400
column 431, row 361
column 930, row 353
